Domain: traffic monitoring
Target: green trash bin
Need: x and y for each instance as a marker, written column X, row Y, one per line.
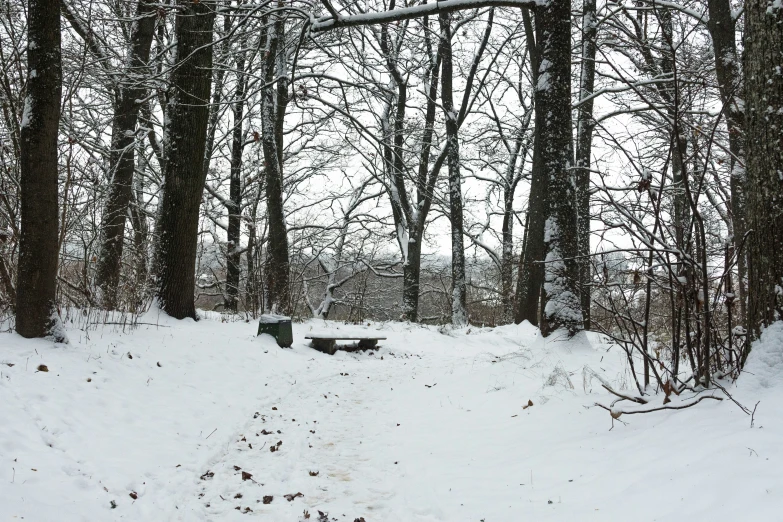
column 279, row 327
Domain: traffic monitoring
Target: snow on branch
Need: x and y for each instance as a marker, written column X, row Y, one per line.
column 326, row 23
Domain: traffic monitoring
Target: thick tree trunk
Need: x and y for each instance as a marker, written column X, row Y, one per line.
column 584, row 139
column 121, row 158
column 36, row 314
column 562, row 302
column 763, row 63
column 234, row 254
column 722, row 30
column 186, row 130
column 277, row 266
column 459, row 314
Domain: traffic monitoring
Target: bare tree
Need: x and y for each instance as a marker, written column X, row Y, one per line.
column 36, row 314
column 130, row 92
column 187, row 114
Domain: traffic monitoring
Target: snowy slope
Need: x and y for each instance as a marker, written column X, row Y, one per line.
column 431, row 427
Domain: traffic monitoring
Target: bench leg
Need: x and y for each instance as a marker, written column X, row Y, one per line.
column 325, row 345
column 368, row 344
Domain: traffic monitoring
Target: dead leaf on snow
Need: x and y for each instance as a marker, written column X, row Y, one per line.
column 268, row 499
column 291, row 496
column 43, row 368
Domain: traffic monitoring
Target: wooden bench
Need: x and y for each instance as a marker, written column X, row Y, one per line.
column 328, row 344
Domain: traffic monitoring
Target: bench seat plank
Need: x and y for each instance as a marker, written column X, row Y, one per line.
column 327, row 344
column 346, row 338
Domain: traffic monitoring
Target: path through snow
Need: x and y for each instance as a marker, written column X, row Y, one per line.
column 431, row 427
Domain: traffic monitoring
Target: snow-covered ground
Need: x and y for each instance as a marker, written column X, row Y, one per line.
column 183, row 415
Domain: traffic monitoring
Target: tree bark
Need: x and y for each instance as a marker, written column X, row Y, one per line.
column 562, row 303
column 507, row 233
column 36, row 313
column 234, row 254
column 763, row 62
column 186, row 130
column 584, row 138
column 530, row 278
column 459, row 314
column 722, row 30
column 121, row 156
column 277, row 265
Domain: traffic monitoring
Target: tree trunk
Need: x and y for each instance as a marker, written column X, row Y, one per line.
column 424, row 193
column 276, row 270
column 186, row 130
column 121, row 157
column 584, row 138
column 251, row 287
column 510, row 181
column 459, row 314
column 233, row 254
column 411, row 273
column 36, row 313
column 763, row 62
column 530, row 279
column 722, row 30
column 562, row 303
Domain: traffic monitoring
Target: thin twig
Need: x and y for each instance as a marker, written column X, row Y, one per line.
column 753, row 415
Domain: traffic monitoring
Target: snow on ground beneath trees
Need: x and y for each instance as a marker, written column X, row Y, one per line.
column 182, row 415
